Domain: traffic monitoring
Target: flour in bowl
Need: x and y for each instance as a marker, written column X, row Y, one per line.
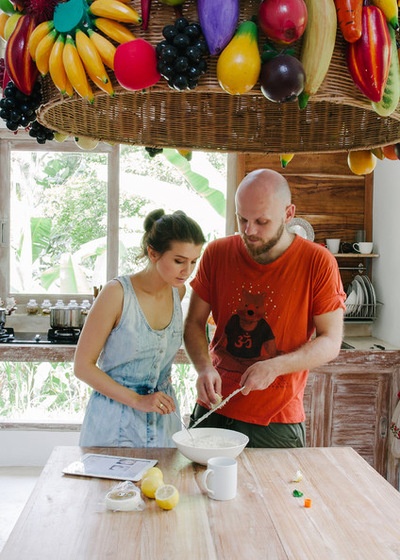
column 212, row 442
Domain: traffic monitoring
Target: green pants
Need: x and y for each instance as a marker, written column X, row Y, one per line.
column 273, row 435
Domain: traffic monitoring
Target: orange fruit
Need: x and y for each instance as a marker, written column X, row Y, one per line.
column 389, row 152
column 361, row 162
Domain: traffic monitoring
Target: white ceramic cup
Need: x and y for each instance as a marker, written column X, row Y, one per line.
column 220, row 478
column 364, row 247
column 333, row 245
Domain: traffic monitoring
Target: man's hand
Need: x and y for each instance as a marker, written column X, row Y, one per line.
column 209, row 387
column 258, row 376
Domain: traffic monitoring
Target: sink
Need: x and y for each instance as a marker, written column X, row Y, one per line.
column 346, row 346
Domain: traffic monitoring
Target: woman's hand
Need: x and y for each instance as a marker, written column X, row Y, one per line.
column 155, row 402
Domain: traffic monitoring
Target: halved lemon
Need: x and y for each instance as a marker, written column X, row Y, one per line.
column 167, row 496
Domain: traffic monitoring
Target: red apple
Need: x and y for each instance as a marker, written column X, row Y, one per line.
column 283, row 21
column 135, row 65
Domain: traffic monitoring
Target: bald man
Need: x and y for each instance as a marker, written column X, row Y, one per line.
column 277, row 301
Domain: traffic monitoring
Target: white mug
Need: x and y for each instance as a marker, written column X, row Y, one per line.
column 333, row 245
column 220, row 478
column 364, row 247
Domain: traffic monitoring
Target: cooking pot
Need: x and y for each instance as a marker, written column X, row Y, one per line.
column 67, row 317
column 2, row 316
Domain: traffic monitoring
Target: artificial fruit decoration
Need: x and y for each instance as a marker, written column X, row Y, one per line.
column 361, row 162
column 317, row 46
column 368, row 59
column 239, row 64
column 283, row 21
column 282, row 76
column 349, row 18
column 218, row 22
column 18, row 62
column 135, row 65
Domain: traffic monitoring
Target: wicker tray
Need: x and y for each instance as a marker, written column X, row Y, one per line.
column 338, row 118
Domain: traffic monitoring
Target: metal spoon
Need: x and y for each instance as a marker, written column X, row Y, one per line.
column 184, row 425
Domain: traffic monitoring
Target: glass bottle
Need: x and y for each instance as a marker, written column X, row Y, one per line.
column 32, row 307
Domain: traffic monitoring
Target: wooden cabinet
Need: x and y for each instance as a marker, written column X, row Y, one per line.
column 350, row 402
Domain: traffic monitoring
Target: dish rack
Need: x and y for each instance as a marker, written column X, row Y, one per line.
column 364, row 313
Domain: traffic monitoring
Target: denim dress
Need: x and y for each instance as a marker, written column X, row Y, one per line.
column 138, row 357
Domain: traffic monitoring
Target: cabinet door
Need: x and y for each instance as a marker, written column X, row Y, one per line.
column 359, row 405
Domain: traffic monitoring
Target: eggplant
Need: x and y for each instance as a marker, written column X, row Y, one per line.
column 218, row 22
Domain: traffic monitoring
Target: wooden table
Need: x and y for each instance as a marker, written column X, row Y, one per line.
column 355, row 513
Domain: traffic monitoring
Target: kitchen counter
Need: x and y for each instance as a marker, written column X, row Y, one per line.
column 65, row 352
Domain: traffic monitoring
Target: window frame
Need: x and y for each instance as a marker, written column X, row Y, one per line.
column 25, row 143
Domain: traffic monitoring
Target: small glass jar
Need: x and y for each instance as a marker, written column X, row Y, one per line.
column 86, row 304
column 45, row 306
column 32, row 307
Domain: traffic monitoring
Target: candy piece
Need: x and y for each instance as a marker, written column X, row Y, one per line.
column 298, row 476
column 307, row 502
column 297, row 493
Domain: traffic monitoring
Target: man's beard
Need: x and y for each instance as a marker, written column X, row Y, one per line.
column 257, row 252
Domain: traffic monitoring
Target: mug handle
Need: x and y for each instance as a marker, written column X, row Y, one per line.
column 356, row 246
column 204, row 481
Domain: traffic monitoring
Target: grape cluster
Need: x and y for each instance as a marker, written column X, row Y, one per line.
column 19, row 110
column 152, row 152
column 181, row 55
column 40, row 132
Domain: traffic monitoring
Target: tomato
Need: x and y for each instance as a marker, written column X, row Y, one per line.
column 135, row 65
column 283, row 21
column 390, row 152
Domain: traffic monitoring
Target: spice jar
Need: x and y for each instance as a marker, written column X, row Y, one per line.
column 32, row 307
column 45, row 306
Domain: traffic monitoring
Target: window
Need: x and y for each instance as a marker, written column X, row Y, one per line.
column 71, row 219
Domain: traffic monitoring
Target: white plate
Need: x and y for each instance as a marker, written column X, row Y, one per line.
column 302, row 228
column 372, row 296
column 364, row 297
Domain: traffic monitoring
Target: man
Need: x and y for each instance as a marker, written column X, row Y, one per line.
column 277, row 301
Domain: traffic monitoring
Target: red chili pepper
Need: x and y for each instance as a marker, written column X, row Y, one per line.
column 145, row 8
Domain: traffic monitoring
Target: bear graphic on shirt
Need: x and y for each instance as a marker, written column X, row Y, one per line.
column 248, row 334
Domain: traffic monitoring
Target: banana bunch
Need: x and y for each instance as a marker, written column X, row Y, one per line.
column 73, row 52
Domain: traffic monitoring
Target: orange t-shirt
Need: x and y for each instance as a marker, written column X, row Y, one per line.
column 260, row 311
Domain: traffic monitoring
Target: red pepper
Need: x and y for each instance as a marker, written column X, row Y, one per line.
column 368, row 59
column 145, row 8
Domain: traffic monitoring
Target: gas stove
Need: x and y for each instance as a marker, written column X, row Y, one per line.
column 61, row 336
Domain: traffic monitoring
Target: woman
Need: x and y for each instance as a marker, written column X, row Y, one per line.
column 130, row 339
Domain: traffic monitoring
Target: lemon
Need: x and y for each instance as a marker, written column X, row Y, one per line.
column 150, row 484
column 167, row 496
column 154, row 471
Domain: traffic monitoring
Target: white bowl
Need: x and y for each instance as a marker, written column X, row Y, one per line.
column 210, row 442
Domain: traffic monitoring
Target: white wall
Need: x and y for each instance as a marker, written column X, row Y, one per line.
column 31, row 448
column 386, row 269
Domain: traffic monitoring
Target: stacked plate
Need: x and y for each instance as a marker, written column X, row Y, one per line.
column 361, row 299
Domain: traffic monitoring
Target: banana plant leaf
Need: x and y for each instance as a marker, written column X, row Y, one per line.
column 40, row 234
column 197, row 182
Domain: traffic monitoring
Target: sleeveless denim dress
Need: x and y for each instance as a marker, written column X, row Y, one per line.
column 140, row 358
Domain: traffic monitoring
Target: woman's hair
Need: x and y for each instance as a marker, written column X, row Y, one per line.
column 162, row 229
